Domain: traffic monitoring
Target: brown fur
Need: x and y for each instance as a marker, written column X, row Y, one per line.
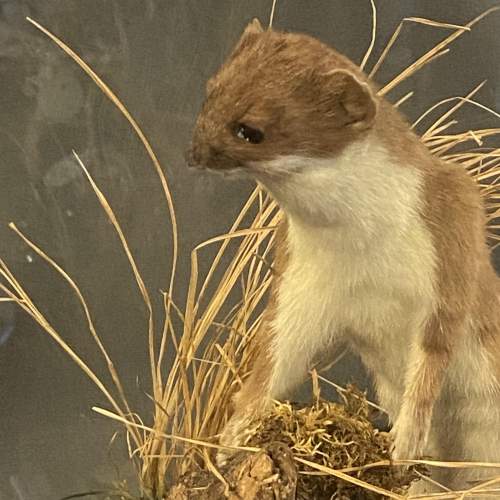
column 278, row 69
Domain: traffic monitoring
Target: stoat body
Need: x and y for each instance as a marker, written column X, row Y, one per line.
column 382, row 247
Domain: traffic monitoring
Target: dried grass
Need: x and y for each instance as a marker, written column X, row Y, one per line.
column 214, row 349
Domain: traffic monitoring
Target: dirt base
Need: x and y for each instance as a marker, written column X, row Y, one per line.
column 267, row 475
column 332, row 436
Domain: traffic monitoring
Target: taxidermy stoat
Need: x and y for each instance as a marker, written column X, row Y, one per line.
column 382, row 246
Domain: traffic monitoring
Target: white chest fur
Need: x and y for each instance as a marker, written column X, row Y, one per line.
column 360, row 269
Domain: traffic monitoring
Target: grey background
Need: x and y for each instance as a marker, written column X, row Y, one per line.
column 156, row 54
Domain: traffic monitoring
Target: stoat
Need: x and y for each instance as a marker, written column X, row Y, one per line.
column 383, row 247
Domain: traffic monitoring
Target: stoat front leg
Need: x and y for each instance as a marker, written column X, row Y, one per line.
column 249, row 402
column 428, row 363
column 456, row 276
column 279, row 367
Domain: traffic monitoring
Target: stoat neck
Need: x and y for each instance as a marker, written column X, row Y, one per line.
column 362, row 189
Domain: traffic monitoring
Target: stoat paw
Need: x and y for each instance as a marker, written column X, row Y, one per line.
column 222, row 458
column 408, row 440
column 231, row 436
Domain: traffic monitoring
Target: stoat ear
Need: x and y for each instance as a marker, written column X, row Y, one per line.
column 352, row 100
column 253, row 27
column 248, row 36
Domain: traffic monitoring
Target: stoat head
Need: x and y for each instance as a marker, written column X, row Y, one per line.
column 280, row 95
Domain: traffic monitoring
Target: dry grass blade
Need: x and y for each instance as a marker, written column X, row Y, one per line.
column 199, row 442
column 404, row 99
column 271, row 16
column 137, row 275
column 23, row 300
column 374, row 35
column 437, row 24
column 211, row 467
column 449, row 465
column 483, row 487
column 121, row 107
column 263, row 209
column 458, row 495
column 194, row 301
column 349, row 479
column 343, row 390
column 397, row 32
column 438, row 122
column 111, row 368
column 150, row 445
column 423, row 60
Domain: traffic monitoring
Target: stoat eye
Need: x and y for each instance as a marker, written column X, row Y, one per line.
column 248, row 134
